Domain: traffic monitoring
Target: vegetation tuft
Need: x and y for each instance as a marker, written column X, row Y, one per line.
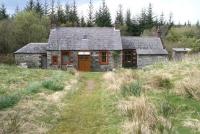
column 134, row 88
column 166, row 109
column 53, row 85
column 33, row 88
column 8, row 100
column 166, row 83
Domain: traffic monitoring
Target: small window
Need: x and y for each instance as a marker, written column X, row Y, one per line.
column 65, row 57
column 128, row 56
column 103, row 57
column 54, row 60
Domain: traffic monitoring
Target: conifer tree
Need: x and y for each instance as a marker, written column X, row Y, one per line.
column 3, row 14
column 150, row 17
column 38, row 8
column 103, row 17
column 128, row 18
column 119, row 21
column 30, row 5
column 60, row 14
column 46, row 10
column 162, row 21
column 197, row 24
column 170, row 22
column 52, row 14
column 143, row 19
column 67, row 14
column 83, row 23
column 90, row 21
column 17, row 10
column 74, row 19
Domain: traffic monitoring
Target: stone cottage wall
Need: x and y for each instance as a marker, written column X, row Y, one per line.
column 115, row 61
column 178, row 56
column 145, row 60
column 49, row 60
column 32, row 60
column 95, row 65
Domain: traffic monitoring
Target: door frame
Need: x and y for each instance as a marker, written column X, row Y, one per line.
column 133, row 58
column 84, row 53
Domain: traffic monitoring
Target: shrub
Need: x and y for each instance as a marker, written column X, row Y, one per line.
column 8, row 101
column 133, row 89
column 53, row 85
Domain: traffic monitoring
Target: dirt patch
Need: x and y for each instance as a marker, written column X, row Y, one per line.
column 90, row 85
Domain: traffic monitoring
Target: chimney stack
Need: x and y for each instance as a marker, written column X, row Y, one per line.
column 159, row 33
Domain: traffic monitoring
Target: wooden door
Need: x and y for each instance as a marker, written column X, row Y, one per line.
column 84, row 63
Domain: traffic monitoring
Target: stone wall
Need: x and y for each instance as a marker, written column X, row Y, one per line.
column 114, row 62
column 32, row 60
column 95, row 65
column 49, row 60
column 145, row 60
column 179, row 56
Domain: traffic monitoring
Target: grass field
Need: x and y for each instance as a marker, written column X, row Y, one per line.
column 162, row 98
column 90, row 110
column 30, row 99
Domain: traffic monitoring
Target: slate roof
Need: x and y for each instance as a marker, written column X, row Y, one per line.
column 85, row 39
column 144, row 45
column 33, row 48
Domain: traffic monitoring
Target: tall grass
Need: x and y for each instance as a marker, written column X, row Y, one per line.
column 53, row 85
column 133, row 89
column 142, row 117
column 9, row 100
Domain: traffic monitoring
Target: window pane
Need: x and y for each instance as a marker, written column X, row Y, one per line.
column 65, row 59
column 54, row 59
column 104, row 57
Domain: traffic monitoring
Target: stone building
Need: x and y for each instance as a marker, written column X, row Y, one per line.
column 142, row 51
column 179, row 54
column 91, row 49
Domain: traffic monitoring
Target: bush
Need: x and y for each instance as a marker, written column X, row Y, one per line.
column 53, row 85
column 7, row 59
column 132, row 89
column 8, row 101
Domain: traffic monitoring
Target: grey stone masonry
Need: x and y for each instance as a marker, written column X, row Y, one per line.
column 145, row 60
column 32, row 60
column 115, row 60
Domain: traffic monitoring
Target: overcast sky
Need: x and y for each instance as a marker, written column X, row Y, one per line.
column 183, row 10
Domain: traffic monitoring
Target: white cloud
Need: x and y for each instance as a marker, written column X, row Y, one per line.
column 183, row 10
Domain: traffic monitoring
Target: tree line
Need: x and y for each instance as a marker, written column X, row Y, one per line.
column 33, row 23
